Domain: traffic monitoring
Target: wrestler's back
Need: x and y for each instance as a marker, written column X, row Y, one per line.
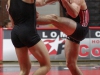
column 24, row 17
column 22, row 13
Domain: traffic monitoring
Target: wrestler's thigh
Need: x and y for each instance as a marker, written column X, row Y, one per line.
column 71, row 51
column 66, row 25
column 40, row 52
column 23, row 57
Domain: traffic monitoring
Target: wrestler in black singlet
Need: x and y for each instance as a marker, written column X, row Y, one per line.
column 82, row 21
column 24, row 32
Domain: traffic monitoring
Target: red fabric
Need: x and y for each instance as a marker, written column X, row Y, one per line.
column 84, row 16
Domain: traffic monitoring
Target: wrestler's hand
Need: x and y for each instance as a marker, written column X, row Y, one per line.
column 40, row 3
column 66, row 1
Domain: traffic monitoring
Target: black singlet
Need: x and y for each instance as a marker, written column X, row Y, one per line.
column 24, row 32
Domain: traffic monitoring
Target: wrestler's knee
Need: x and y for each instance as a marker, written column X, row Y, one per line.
column 71, row 64
column 25, row 70
column 46, row 66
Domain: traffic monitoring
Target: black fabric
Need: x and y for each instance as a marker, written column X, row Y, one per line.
column 73, row 40
column 24, row 32
column 80, row 32
column 23, row 13
column 24, row 36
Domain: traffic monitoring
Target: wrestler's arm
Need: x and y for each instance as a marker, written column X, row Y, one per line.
column 50, row 1
column 45, row 19
column 72, row 8
column 40, row 3
column 10, row 18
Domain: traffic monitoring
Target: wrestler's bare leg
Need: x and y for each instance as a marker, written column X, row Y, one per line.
column 24, row 61
column 41, row 54
column 66, row 25
column 71, row 54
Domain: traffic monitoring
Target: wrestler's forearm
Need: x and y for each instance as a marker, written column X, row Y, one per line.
column 43, row 3
column 10, row 18
column 50, row 1
column 40, row 2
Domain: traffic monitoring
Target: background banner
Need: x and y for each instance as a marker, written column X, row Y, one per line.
column 54, row 41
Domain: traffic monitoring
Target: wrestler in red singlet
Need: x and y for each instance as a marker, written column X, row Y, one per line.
column 75, row 25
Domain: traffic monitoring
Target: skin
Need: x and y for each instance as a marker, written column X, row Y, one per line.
column 39, row 51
